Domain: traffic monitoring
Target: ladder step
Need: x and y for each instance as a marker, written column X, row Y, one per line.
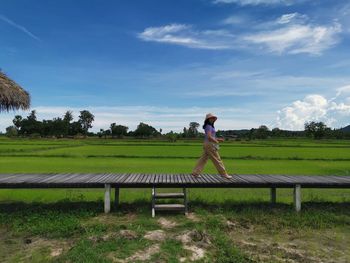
column 169, row 207
column 169, row 195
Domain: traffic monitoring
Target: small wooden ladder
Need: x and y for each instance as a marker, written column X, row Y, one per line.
column 169, row 207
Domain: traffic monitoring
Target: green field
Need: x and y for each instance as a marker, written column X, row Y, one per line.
column 229, row 225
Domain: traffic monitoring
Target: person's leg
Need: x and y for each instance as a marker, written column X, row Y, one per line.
column 200, row 163
column 215, row 157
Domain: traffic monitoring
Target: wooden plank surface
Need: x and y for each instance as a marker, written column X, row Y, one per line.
column 181, row 180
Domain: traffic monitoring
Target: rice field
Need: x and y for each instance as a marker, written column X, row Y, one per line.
column 65, row 218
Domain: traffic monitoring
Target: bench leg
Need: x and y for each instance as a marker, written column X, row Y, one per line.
column 273, row 195
column 116, row 197
column 297, row 197
column 185, row 200
column 153, row 202
column 107, row 198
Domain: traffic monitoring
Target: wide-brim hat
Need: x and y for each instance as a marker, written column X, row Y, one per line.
column 210, row 115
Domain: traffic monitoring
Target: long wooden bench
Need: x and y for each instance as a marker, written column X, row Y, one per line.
column 141, row 180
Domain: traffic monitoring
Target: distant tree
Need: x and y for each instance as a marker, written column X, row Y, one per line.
column 100, row 133
column 75, row 127
column 59, row 127
column 17, row 121
column 316, row 130
column 171, row 136
column 86, row 118
column 338, row 134
column 32, row 116
column 145, row 130
column 262, row 132
column 11, row 131
column 68, row 116
column 30, row 125
column 276, row 132
column 185, row 132
column 193, row 129
column 118, row 130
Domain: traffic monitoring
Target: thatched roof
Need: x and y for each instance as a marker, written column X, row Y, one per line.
column 12, row 96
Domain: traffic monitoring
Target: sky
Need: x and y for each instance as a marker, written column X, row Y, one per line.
column 277, row 63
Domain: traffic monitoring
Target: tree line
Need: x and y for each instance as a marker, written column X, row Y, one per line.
column 66, row 127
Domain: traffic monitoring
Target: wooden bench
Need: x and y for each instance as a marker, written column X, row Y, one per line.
column 141, row 180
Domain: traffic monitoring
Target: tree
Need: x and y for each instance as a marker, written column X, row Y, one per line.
column 30, row 125
column 75, row 127
column 171, row 136
column 193, row 129
column 32, row 116
column 262, row 132
column 11, row 131
column 17, row 121
column 276, row 132
column 316, row 130
column 119, row 130
column 145, row 130
column 68, row 116
column 185, row 132
column 86, row 118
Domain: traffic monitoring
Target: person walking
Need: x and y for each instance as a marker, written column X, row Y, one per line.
column 210, row 149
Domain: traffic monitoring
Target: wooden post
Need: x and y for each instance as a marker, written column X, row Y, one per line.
column 297, row 197
column 153, row 201
column 273, row 195
column 185, row 200
column 107, row 198
column 116, row 197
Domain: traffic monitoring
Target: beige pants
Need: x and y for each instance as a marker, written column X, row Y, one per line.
column 209, row 151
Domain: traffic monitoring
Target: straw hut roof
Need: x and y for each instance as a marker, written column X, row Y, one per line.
column 12, row 96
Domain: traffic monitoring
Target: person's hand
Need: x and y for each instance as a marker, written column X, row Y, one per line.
column 220, row 139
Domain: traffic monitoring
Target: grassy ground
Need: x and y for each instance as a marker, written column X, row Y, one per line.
column 225, row 225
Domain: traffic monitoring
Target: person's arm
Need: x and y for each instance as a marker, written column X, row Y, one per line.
column 210, row 137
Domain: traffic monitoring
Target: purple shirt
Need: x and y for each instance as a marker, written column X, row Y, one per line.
column 209, row 129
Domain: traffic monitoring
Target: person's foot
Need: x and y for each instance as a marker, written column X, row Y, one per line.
column 196, row 175
column 226, row 176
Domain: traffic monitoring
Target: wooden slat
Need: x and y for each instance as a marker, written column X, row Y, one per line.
column 136, row 179
column 206, row 179
column 213, row 178
column 130, row 178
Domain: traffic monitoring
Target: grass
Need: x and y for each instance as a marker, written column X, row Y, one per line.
column 68, row 225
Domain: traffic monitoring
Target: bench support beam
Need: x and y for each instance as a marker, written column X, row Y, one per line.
column 116, row 197
column 107, row 198
column 297, row 197
column 273, row 195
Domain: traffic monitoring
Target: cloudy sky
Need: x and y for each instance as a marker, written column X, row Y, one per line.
column 251, row 62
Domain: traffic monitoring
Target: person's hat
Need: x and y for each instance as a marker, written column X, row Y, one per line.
column 209, row 115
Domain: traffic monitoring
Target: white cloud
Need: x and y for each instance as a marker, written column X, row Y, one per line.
column 254, row 2
column 297, row 38
column 235, row 20
column 343, row 90
column 292, row 17
column 19, row 27
column 315, row 107
column 290, row 33
column 184, row 35
column 167, row 118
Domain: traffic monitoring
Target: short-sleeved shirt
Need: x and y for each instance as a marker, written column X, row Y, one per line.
column 209, row 129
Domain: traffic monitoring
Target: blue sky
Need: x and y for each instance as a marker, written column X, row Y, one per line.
column 251, row 62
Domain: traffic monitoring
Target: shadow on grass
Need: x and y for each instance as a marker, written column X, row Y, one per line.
column 96, row 207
